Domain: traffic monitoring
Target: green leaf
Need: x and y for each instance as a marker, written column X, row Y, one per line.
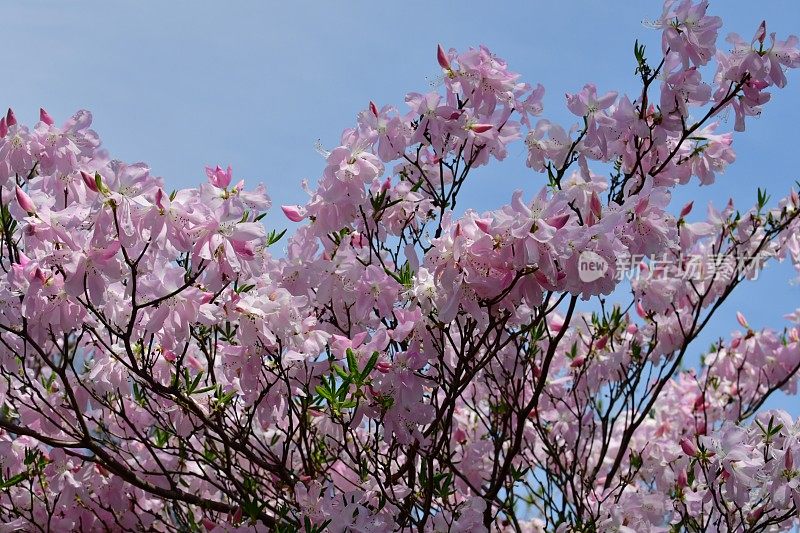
column 352, row 363
column 373, row 360
column 13, row 480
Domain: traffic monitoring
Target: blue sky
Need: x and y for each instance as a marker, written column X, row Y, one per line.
column 182, row 84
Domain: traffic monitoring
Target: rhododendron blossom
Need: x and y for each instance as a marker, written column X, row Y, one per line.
column 395, row 364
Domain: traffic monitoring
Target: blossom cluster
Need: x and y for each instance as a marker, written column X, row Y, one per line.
column 397, row 366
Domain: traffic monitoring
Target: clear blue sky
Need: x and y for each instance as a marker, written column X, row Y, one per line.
column 181, row 84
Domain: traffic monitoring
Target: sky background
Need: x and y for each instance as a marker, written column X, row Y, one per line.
column 184, row 84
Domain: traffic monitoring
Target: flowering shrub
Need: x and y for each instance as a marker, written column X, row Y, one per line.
column 399, row 367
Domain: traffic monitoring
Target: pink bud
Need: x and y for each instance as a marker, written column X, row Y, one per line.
column 3, row 127
column 237, row 516
column 761, row 33
column 169, row 355
column 483, row 224
column 160, row 198
column 559, row 221
column 25, row 201
column 788, row 459
column 595, row 206
column 682, row 480
column 383, row 367
column 45, row 117
column 640, row 310
column 208, row 523
column 293, row 212
column 373, row 108
column 700, row 428
column 219, row 178
column 742, row 320
column 755, row 515
column 687, row 209
column 387, row 184
column 11, row 119
column 601, row 342
column 699, row 403
column 481, row 128
column 441, row 56
column 688, row 447
column 736, row 342
column 577, row 362
column 89, row 181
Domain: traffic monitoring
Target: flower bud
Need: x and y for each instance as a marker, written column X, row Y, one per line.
column 219, row 178
column 755, row 515
column 11, row 119
column 160, row 198
column 484, row 224
column 441, row 56
column 559, row 221
column 293, row 212
column 373, row 108
column 682, row 480
column 595, row 206
column 761, row 33
column 686, row 209
column 481, row 128
column 601, row 342
column 688, row 447
column 577, row 362
column 45, row 117
column 3, row 127
column 25, row 202
column 742, row 320
column 89, row 181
